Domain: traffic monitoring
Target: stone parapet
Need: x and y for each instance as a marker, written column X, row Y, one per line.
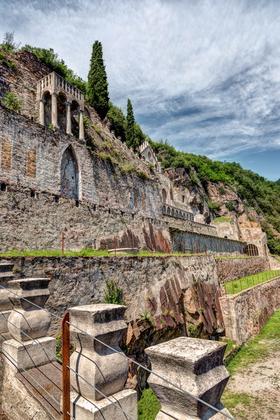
column 187, row 369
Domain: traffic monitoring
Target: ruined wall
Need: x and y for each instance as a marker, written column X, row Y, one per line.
column 151, row 285
column 245, row 313
column 186, row 241
column 235, row 268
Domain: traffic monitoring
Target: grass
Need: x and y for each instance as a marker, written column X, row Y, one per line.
column 242, row 405
column 222, row 219
column 258, row 347
column 86, row 252
column 148, row 405
column 236, row 286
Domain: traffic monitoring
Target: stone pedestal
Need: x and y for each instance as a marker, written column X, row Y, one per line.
column 195, row 366
column 96, row 367
column 27, row 322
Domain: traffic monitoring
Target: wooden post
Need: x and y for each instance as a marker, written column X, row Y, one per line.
column 65, row 367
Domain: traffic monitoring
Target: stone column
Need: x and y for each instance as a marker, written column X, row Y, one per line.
column 42, row 112
column 68, row 118
column 54, row 110
column 81, row 126
column 26, row 322
column 194, row 365
column 6, row 274
column 96, row 368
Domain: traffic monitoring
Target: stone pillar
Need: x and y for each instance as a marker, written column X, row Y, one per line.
column 54, row 110
column 68, row 118
column 81, row 126
column 26, row 322
column 102, row 369
column 6, row 274
column 42, row 112
column 194, row 365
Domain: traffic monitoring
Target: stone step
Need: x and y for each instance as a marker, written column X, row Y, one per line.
column 6, row 276
column 6, row 266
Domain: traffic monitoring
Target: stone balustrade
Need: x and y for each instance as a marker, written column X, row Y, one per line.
column 196, row 367
column 98, row 372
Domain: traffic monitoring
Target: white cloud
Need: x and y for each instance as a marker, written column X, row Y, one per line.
column 173, row 57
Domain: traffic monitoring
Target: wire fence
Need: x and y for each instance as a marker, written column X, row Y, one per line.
column 109, row 398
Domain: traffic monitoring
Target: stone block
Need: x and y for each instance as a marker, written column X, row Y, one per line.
column 4, row 315
column 30, row 353
column 193, row 365
column 121, row 406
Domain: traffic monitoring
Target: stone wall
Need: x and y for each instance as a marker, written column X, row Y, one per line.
column 186, row 241
column 151, row 285
column 245, row 313
column 235, row 268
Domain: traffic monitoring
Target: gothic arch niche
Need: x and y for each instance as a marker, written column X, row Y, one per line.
column 61, row 111
column 47, row 100
column 164, row 196
column 251, row 250
column 69, row 174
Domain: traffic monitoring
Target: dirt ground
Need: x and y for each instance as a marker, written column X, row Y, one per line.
column 257, row 389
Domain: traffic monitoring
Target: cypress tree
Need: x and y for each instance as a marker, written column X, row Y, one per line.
column 97, row 90
column 130, row 125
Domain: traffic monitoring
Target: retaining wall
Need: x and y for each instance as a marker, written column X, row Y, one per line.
column 235, row 268
column 245, row 313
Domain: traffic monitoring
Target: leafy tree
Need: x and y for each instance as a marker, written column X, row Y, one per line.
column 130, row 126
column 118, row 121
column 51, row 59
column 97, row 89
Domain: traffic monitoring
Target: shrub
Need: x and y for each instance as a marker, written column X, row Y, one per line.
column 113, row 293
column 148, row 405
column 230, row 205
column 213, row 206
column 11, row 101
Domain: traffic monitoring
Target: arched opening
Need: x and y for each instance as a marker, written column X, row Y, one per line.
column 69, row 174
column 252, row 250
column 164, row 196
column 61, row 111
column 47, row 100
column 75, row 111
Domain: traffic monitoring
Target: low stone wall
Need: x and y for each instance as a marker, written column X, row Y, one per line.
column 235, row 268
column 150, row 284
column 245, row 313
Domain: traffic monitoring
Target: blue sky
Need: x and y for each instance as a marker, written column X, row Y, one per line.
column 203, row 74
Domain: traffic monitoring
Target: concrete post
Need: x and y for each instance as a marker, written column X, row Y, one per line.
column 195, row 366
column 68, row 118
column 41, row 112
column 96, row 370
column 26, row 322
column 54, row 110
column 81, row 126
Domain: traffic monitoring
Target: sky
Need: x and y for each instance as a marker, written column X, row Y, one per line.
column 202, row 74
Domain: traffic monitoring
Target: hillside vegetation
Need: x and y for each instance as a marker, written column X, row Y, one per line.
column 254, row 190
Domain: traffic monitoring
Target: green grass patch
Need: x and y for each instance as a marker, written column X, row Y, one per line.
column 258, row 347
column 231, row 399
column 222, row 219
column 86, row 252
column 148, row 405
column 236, row 286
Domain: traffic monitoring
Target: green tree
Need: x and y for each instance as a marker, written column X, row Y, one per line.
column 118, row 121
column 97, row 89
column 130, row 126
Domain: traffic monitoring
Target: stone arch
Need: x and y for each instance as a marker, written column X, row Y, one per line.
column 164, row 196
column 61, row 111
column 252, row 250
column 47, row 101
column 69, row 174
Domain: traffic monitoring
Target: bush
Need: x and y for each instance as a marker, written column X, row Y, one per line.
column 11, row 101
column 113, row 293
column 213, row 206
column 148, row 405
column 230, row 205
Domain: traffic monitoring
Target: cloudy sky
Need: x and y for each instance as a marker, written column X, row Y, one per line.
column 203, row 74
